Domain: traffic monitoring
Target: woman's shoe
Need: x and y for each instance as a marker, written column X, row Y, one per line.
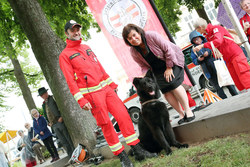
column 182, row 120
column 189, row 119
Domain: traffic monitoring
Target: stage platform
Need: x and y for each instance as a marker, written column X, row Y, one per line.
column 225, row 117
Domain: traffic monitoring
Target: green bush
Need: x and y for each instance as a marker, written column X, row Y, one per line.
column 17, row 164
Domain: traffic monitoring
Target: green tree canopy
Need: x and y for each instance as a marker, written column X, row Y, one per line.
column 59, row 12
column 170, row 12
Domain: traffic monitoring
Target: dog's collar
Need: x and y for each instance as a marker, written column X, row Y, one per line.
column 146, row 102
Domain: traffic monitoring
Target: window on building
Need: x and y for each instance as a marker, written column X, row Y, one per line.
column 210, row 10
column 189, row 20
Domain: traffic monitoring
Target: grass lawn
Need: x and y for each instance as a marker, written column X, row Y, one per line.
column 230, row 151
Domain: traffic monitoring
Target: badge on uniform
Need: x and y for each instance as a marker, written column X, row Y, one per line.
column 74, row 55
column 89, row 51
column 215, row 30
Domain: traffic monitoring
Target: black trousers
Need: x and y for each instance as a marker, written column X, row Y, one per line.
column 49, row 144
column 214, row 81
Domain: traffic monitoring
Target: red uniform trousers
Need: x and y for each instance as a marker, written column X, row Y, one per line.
column 191, row 101
column 240, row 71
column 106, row 101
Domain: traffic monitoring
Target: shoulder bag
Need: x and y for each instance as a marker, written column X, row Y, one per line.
column 223, row 75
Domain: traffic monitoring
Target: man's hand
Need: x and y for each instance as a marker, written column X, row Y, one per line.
column 33, row 139
column 41, row 133
column 60, row 119
column 198, row 48
column 168, row 74
column 87, row 106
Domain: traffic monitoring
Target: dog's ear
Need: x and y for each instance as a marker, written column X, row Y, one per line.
column 149, row 74
column 136, row 81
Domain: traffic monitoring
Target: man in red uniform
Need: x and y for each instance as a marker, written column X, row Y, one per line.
column 245, row 20
column 94, row 90
column 233, row 55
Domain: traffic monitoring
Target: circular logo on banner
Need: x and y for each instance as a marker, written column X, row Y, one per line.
column 118, row 13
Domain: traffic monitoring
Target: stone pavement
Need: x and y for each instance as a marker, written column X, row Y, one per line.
column 59, row 163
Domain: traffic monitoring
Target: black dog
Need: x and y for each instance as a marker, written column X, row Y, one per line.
column 155, row 129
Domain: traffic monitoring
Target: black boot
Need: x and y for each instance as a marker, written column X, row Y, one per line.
column 141, row 154
column 125, row 162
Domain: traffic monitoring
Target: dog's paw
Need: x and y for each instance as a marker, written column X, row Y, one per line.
column 169, row 152
column 139, row 157
column 183, row 146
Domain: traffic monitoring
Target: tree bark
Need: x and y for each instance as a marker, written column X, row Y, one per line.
column 47, row 46
column 202, row 13
column 27, row 96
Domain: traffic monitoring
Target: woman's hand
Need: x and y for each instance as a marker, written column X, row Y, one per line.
column 168, row 74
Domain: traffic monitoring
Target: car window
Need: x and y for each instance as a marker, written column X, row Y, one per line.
column 187, row 53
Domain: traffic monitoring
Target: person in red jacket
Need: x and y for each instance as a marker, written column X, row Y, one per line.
column 233, row 55
column 94, row 90
column 245, row 20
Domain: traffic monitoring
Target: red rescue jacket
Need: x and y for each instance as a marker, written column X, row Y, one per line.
column 227, row 47
column 83, row 72
column 246, row 18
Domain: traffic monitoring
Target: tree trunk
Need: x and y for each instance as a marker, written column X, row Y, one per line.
column 47, row 46
column 23, row 84
column 202, row 13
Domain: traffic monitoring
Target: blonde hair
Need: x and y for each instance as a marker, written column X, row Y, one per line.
column 200, row 22
column 33, row 111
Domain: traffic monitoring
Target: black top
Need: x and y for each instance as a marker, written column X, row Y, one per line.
column 158, row 66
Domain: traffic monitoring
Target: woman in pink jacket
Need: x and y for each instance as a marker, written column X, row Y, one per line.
column 151, row 51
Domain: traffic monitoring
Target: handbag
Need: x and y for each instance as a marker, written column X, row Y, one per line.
column 223, row 75
column 38, row 140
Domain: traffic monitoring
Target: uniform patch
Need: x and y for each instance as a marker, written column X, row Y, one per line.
column 88, row 51
column 74, row 55
column 215, row 30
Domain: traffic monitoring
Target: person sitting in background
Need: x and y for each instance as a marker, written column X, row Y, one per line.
column 41, row 128
column 205, row 58
column 25, row 146
column 3, row 155
column 35, row 144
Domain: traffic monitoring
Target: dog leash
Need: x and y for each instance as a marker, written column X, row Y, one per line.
column 152, row 100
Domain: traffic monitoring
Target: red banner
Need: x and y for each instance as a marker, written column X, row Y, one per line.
column 113, row 15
